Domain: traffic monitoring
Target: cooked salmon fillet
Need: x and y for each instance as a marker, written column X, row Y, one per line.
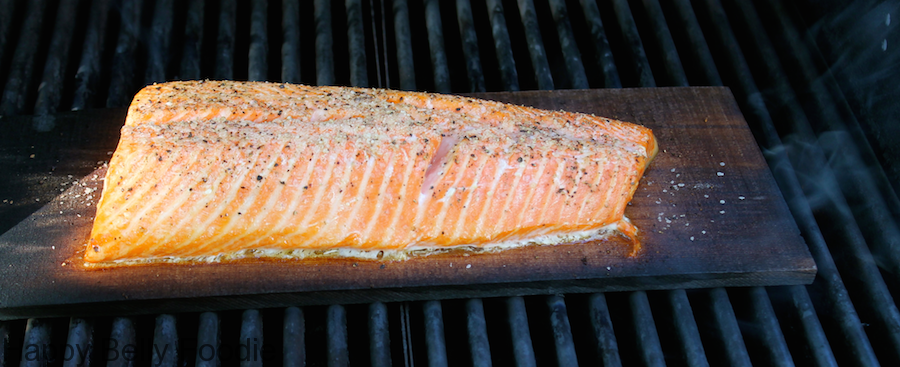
column 210, row 168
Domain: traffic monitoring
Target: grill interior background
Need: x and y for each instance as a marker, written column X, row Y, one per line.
column 831, row 157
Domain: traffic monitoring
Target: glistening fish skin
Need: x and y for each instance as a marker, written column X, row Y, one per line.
column 205, row 168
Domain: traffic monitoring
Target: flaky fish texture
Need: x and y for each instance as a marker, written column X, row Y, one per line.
column 206, row 169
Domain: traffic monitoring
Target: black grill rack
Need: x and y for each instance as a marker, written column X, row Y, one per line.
column 59, row 55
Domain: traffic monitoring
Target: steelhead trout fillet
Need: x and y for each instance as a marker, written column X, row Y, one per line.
column 211, row 170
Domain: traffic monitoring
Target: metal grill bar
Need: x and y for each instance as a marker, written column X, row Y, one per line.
column 686, row 328
column 787, row 102
column 865, row 186
column 193, row 41
column 535, row 45
column 436, row 46
column 812, row 329
column 812, row 325
column 357, row 42
column 18, row 81
column 258, row 68
column 158, row 47
column 562, row 332
column 121, row 335
column 89, row 66
column 225, row 40
column 294, row 338
column 165, row 341
column 386, row 81
column 603, row 53
column 700, row 50
column 406, row 334
column 7, row 12
column 252, row 338
column 730, row 332
column 324, row 43
column 571, row 54
column 479, row 346
column 767, row 324
column 434, row 334
column 208, row 332
column 840, row 306
column 523, row 351
column 772, row 339
column 875, row 222
column 402, row 38
column 81, row 334
column 502, row 45
column 671, row 61
column 50, row 88
column 470, row 46
column 633, row 39
column 607, row 347
column 645, row 329
column 338, row 354
column 121, row 82
column 740, row 66
column 37, row 333
column 831, row 104
column 5, row 342
column 379, row 335
column 290, row 48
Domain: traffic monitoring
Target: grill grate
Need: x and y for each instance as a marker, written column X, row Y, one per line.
column 60, row 55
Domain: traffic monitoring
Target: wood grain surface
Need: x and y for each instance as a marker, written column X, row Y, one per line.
column 708, row 209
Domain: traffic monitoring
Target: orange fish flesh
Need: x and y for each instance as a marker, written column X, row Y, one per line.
column 210, row 169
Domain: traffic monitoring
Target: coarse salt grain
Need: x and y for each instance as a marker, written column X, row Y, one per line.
column 692, row 238
column 721, row 201
column 722, row 164
column 720, row 174
column 741, row 197
column 721, row 212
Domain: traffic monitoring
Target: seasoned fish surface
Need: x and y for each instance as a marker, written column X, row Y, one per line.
column 211, row 168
